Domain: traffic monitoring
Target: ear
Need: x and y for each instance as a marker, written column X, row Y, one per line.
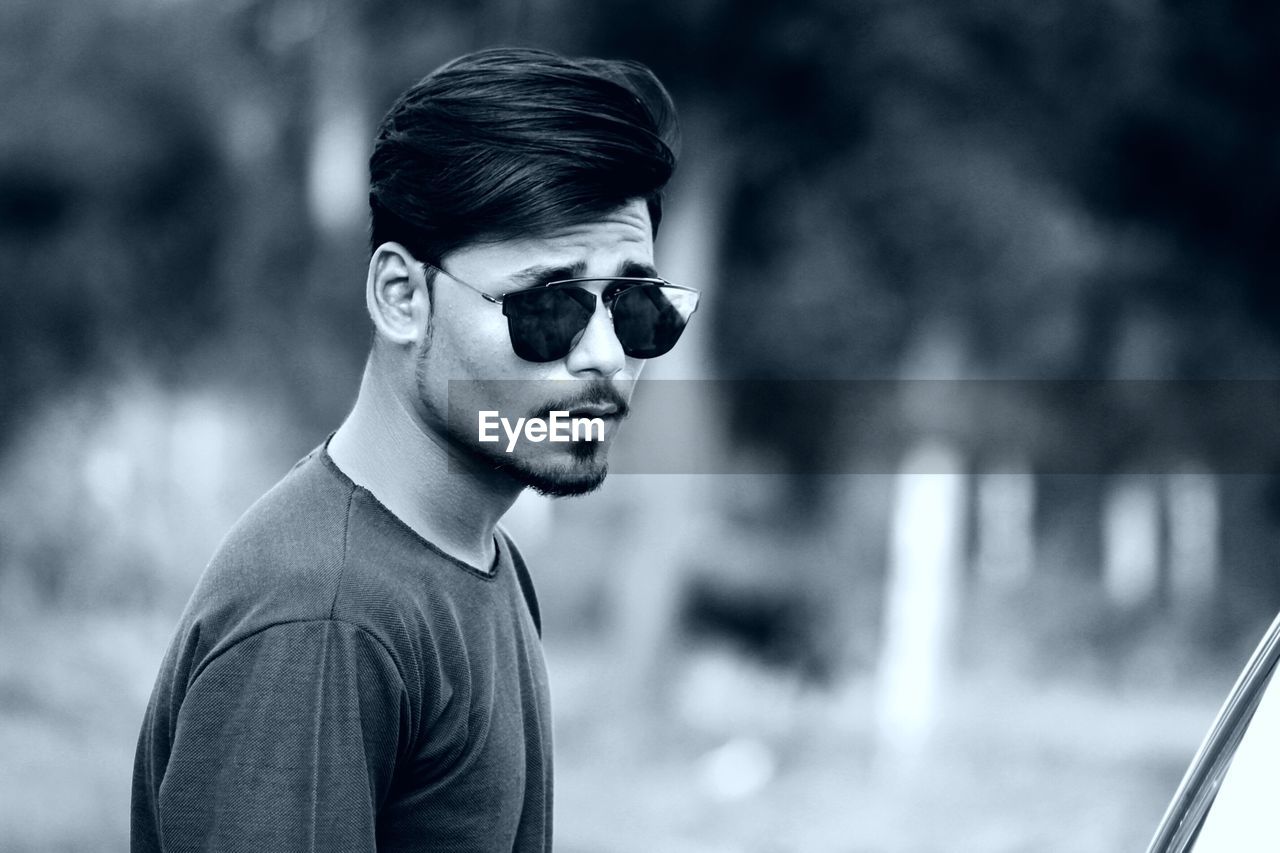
column 396, row 296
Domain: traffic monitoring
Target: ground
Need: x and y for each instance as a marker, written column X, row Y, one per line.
column 745, row 760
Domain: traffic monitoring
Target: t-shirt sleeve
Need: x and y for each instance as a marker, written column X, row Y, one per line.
column 286, row 741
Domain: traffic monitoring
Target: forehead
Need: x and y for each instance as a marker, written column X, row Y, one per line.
column 624, row 235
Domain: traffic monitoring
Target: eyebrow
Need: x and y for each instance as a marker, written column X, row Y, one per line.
column 540, row 275
column 635, row 269
column 533, row 276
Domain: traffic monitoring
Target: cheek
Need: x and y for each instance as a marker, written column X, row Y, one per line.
column 471, row 344
column 627, row 378
column 492, row 358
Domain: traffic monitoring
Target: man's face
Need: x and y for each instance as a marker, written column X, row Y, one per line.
column 469, row 341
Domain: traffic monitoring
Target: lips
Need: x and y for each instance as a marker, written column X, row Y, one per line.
column 594, row 412
column 599, row 399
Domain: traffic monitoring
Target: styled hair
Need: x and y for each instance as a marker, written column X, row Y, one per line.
column 515, row 142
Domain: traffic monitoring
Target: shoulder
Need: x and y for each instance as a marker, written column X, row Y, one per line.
column 300, row 521
column 282, row 561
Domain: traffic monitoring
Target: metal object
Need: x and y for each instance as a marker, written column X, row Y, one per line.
column 1186, row 814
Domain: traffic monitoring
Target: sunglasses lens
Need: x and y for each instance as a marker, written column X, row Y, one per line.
column 649, row 318
column 546, row 323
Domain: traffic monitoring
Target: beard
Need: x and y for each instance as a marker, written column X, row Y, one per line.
column 579, row 471
column 584, row 473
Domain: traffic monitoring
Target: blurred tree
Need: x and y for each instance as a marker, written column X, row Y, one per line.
column 1053, row 190
column 111, row 194
column 977, row 163
column 1187, row 149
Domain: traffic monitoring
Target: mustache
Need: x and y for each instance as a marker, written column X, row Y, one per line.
column 598, row 393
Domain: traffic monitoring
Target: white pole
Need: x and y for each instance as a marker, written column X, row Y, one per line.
column 1005, row 527
column 925, row 560
column 1131, row 541
column 1194, row 508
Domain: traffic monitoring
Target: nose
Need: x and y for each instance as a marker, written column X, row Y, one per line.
column 598, row 352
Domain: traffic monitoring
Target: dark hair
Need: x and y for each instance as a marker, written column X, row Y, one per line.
column 512, row 141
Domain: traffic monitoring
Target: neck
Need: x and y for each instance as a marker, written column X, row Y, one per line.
column 384, row 446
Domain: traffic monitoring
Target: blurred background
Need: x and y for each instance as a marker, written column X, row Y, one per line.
column 909, row 633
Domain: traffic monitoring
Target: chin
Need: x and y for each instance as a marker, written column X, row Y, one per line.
column 579, row 472
column 578, row 478
column 562, row 487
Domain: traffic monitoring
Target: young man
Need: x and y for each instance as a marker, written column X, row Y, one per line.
column 359, row 667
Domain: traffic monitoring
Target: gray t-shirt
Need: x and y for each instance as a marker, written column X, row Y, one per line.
column 339, row 683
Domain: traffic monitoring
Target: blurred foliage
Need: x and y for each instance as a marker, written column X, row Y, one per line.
column 977, row 188
column 1190, row 149
column 1062, row 190
column 152, row 201
column 989, row 163
column 962, row 141
column 111, row 196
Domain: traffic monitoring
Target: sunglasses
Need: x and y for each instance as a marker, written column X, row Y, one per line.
column 547, row 321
